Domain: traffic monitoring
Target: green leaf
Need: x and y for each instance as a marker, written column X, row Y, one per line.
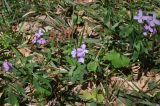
column 126, row 31
column 92, row 95
column 78, row 74
column 126, row 101
column 146, row 103
column 138, row 45
column 91, row 104
column 71, row 71
column 12, row 98
column 107, row 18
column 19, row 88
column 152, row 84
column 41, row 89
column 117, row 60
column 92, row 66
column 135, row 55
column 157, row 95
column 115, row 25
column 71, row 61
column 77, row 19
column 87, row 95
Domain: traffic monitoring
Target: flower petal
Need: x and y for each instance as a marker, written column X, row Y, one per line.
column 154, row 15
column 41, row 41
column 146, row 27
column 146, row 17
column 145, row 33
column 157, row 22
column 39, row 33
column 7, row 66
column 151, row 23
column 86, row 51
column 150, row 29
column 34, row 40
column 140, row 13
column 73, row 53
column 81, row 60
column 83, row 46
column 154, row 31
column 136, row 17
column 140, row 21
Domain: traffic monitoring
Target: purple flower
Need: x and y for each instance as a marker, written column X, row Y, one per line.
column 39, row 33
column 7, row 66
column 154, row 30
column 145, row 33
column 83, row 46
column 81, row 60
column 41, row 41
column 37, row 38
column 148, row 28
column 80, row 53
column 34, row 40
column 152, row 21
column 73, row 53
column 146, row 18
column 139, row 17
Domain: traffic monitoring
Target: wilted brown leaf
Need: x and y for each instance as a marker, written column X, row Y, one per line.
column 59, row 10
column 84, row 1
column 64, row 34
column 141, row 84
column 44, row 18
column 28, row 26
column 33, row 24
column 25, row 51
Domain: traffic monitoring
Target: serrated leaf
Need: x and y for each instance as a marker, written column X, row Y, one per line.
column 152, row 84
column 12, row 98
column 117, row 60
column 126, row 31
column 92, row 66
column 19, row 89
column 92, row 95
column 78, row 73
column 87, row 95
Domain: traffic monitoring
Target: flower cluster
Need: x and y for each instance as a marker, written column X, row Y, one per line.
column 38, row 37
column 150, row 22
column 7, row 66
column 79, row 53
